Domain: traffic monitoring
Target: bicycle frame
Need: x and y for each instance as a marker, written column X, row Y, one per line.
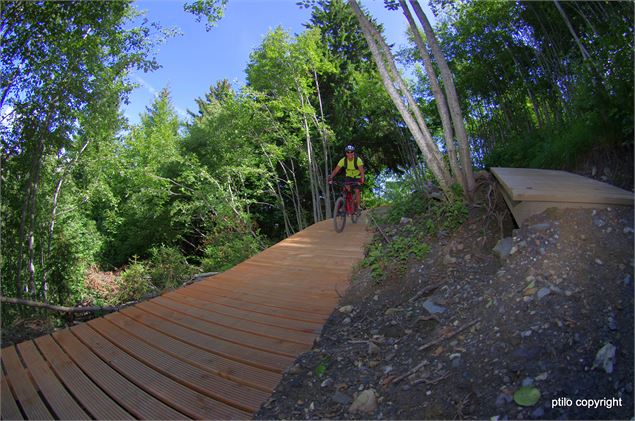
column 345, row 205
column 347, row 194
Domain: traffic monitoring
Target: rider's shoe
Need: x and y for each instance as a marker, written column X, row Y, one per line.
column 358, row 212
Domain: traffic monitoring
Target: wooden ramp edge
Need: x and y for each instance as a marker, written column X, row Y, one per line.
column 528, row 191
column 212, row 350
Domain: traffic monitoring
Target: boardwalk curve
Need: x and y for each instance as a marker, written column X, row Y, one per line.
column 212, row 350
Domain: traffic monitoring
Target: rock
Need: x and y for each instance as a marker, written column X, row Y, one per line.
column 405, row 221
column 543, row 292
column 612, row 323
column 527, row 381
column 448, row 260
column 538, row 412
column 605, row 358
column 391, row 311
column 503, row 248
column 295, row 369
column 341, row 398
column 540, row 227
column 526, row 352
column 432, row 307
column 366, row 402
column 346, row 309
column 598, row 222
column 327, row 382
column 372, row 349
column 503, row 399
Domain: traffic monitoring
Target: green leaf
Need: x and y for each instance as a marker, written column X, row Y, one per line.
column 527, row 396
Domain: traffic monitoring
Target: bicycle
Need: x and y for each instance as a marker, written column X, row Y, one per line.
column 345, row 205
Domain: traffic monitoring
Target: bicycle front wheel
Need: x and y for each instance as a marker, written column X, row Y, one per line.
column 339, row 215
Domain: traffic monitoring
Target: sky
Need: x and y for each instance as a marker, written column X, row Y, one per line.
column 196, row 60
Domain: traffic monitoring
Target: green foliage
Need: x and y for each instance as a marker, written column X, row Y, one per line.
column 406, row 206
column 211, row 10
column 322, row 366
column 228, row 250
column 410, row 240
column 527, row 396
column 168, row 268
column 558, row 102
column 558, row 146
column 134, row 283
column 64, row 72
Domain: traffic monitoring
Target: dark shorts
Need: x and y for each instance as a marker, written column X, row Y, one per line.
column 353, row 180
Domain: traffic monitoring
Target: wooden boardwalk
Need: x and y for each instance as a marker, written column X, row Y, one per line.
column 530, row 191
column 212, row 350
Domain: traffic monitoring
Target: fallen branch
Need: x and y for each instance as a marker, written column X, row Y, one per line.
column 429, row 344
column 61, row 309
column 378, row 227
column 199, row 277
column 425, row 291
column 432, row 382
column 448, row 335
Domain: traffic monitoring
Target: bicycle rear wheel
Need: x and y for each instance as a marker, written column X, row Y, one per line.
column 354, row 215
column 339, row 215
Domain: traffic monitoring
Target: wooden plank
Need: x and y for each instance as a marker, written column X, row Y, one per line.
column 278, row 299
column 292, row 308
column 528, row 184
column 294, row 284
column 187, row 401
column 244, row 339
column 213, row 350
column 254, row 307
column 264, row 380
column 225, row 391
column 240, row 325
column 61, row 402
column 24, row 390
column 135, row 400
column 253, row 357
column 95, row 400
column 199, row 301
column 8, row 407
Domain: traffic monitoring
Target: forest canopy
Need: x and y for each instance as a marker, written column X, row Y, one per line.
column 544, row 84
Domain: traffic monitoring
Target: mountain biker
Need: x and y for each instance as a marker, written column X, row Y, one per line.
column 354, row 171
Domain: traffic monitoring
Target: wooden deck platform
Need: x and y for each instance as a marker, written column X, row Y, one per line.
column 530, row 191
column 212, row 350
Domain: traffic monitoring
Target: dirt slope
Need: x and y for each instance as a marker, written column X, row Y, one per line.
column 461, row 331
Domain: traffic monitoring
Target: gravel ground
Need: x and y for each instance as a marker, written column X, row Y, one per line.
column 541, row 329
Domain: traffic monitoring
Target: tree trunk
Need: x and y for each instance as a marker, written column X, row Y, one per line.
column 453, row 98
column 416, row 124
column 299, row 209
column 278, row 194
column 586, row 57
column 315, row 197
column 325, row 151
column 441, row 103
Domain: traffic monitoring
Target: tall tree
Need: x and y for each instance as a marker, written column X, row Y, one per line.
column 403, row 99
column 60, row 62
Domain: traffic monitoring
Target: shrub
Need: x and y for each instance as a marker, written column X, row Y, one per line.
column 134, row 282
column 226, row 252
column 168, row 268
